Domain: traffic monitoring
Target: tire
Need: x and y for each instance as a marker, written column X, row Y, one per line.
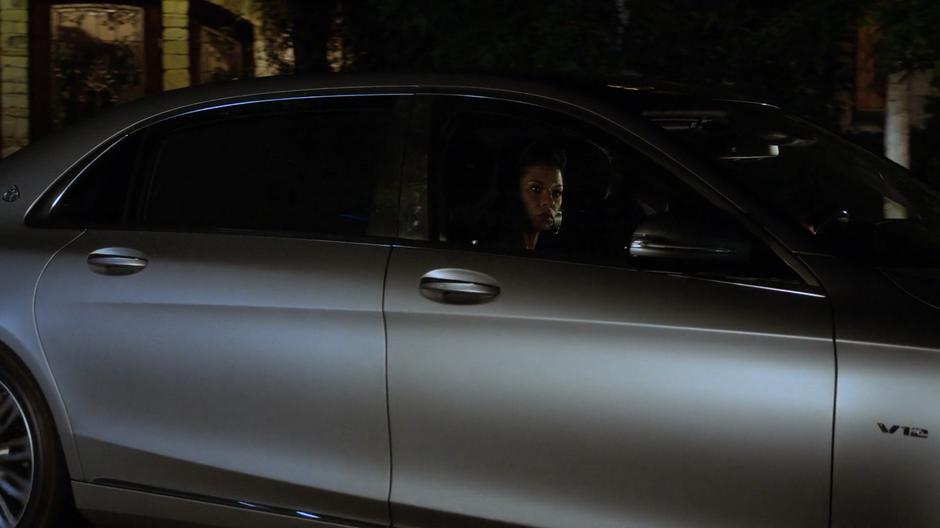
column 33, row 478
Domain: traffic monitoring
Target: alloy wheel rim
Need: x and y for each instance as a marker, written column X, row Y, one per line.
column 16, row 459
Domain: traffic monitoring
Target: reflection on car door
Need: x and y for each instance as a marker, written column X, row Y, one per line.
column 231, row 367
column 590, row 396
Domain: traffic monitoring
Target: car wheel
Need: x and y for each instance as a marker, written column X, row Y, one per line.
column 33, row 483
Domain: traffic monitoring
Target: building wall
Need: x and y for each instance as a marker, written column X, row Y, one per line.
column 922, row 88
column 248, row 9
column 175, row 58
column 176, row 73
column 14, row 76
column 175, row 44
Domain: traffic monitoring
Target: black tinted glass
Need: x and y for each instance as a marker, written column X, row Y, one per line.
column 514, row 178
column 99, row 197
column 305, row 166
column 850, row 200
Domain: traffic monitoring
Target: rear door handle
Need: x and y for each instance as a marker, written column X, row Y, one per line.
column 117, row 261
column 458, row 286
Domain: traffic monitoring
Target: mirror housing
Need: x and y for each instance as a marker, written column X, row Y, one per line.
column 668, row 236
column 750, row 152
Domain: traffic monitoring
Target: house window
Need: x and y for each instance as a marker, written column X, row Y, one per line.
column 220, row 56
column 97, row 53
column 220, row 44
column 86, row 56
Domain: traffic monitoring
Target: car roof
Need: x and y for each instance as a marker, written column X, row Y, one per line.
column 627, row 91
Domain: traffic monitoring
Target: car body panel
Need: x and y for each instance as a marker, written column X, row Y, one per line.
column 23, row 260
column 24, row 254
column 241, row 367
column 883, row 474
column 592, row 396
column 111, row 506
column 888, row 347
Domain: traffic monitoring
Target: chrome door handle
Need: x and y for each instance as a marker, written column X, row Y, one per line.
column 458, row 286
column 117, row 261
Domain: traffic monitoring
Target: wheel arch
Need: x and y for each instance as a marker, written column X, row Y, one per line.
column 34, row 363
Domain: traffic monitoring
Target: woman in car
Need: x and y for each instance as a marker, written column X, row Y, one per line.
column 534, row 188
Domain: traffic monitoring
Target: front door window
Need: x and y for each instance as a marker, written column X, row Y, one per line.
column 508, row 178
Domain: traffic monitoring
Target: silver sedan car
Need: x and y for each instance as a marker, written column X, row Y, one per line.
column 423, row 301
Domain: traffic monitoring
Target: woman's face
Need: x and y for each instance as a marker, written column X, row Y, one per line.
column 540, row 188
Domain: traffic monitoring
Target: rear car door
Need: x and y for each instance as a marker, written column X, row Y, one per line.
column 583, row 384
column 217, row 330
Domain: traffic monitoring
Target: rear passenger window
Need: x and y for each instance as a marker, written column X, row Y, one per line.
column 303, row 165
column 100, row 195
column 280, row 169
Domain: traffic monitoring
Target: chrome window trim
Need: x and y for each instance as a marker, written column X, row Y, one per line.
column 776, row 289
column 83, row 166
column 235, row 503
column 808, row 290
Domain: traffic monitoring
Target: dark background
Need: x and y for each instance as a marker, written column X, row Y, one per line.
column 827, row 60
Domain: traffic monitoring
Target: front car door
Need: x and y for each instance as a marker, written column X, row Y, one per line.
column 575, row 384
column 217, row 330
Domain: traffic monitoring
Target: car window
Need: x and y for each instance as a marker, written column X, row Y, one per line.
column 851, row 201
column 305, row 166
column 99, row 195
column 503, row 174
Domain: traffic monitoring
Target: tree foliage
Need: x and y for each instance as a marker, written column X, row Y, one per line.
column 796, row 51
column 908, row 35
column 459, row 35
column 297, row 33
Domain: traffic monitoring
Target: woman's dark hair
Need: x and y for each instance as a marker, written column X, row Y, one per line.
column 539, row 153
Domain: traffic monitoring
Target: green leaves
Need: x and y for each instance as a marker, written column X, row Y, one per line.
column 908, row 36
column 458, row 35
column 798, row 52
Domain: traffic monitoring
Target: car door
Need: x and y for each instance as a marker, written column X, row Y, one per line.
column 583, row 384
column 217, row 330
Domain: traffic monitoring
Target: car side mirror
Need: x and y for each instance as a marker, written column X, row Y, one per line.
column 669, row 236
column 750, row 152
